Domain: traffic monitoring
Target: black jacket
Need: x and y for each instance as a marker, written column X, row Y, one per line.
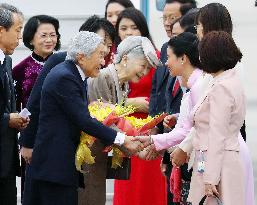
column 9, row 158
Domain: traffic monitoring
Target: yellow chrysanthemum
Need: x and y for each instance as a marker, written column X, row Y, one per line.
column 138, row 122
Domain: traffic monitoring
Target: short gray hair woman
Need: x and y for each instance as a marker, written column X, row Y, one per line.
column 135, row 56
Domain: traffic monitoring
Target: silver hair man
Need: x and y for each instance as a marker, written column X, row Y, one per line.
column 84, row 42
column 6, row 11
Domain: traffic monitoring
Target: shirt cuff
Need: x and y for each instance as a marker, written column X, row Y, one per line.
column 119, row 139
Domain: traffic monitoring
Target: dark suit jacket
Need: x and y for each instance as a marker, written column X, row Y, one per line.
column 63, row 114
column 161, row 99
column 172, row 102
column 157, row 102
column 28, row 135
column 9, row 158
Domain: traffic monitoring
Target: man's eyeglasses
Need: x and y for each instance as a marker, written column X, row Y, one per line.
column 169, row 18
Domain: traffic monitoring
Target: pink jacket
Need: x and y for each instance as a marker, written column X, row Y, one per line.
column 184, row 123
column 218, row 117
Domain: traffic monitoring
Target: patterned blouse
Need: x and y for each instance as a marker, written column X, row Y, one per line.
column 25, row 75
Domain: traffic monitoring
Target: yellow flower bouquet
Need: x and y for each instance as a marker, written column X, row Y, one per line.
column 108, row 114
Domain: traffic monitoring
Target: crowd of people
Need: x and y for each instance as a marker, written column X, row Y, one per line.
column 197, row 155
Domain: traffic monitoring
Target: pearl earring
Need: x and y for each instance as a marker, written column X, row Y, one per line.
column 182, row 63
column 125, row 65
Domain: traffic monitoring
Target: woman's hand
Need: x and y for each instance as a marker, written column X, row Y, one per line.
column 211, row 190
column 140, row 103
column 169, row 121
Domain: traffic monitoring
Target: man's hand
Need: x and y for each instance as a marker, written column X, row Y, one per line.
column 133, row 145
column 178, row 157
column 17, row 122
column 169, row 121
column 26, row 153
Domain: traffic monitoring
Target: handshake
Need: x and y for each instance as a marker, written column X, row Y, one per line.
column 141, row 146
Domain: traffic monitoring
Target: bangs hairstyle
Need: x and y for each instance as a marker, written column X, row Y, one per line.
column 218, row 51
column 186, row 44
column 95, row 23
column 124, row 3
column 214, row 17
column 138, row 18
column 31, row 28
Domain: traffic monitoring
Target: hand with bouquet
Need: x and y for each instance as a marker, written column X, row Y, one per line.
column 117, row 117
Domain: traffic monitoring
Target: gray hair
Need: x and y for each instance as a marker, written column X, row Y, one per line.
column 83, row 42
column 6, row 19
column 137, row 47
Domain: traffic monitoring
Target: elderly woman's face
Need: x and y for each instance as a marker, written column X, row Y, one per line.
column 44, row 40
column 174, row 63
column 113, row 11
column 137, row 68
column 127, row 27
column 91, row 65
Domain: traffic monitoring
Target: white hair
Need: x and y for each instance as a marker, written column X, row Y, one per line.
column 137, row 47
column 83, row 42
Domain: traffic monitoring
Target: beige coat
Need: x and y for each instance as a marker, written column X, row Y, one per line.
column 106, row 87
column 218, row 117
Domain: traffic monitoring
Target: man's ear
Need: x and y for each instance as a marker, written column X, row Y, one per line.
column 80, row 56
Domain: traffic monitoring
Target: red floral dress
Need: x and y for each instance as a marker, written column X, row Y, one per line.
column 147, row 185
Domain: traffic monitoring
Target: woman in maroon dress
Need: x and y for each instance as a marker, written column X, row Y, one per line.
column 147, row 185
column 40, row 35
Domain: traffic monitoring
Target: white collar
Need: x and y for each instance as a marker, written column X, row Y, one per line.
column 2, row 57
column 82, row 74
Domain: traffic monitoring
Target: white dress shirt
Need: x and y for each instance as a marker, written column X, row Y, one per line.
column 2, row 57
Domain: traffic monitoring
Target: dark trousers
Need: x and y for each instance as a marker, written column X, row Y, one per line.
column 23, row 170
column 39, row 192
column 8, row 191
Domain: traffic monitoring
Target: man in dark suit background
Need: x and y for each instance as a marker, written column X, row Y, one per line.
column 11, row 22
column 63, row 115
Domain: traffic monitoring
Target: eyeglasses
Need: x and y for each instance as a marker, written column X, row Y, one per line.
column 170, row 18
column 46, row 36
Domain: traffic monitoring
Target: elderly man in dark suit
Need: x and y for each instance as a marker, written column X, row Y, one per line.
column 11, row 21
column 63, row 115
column 27, row 137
